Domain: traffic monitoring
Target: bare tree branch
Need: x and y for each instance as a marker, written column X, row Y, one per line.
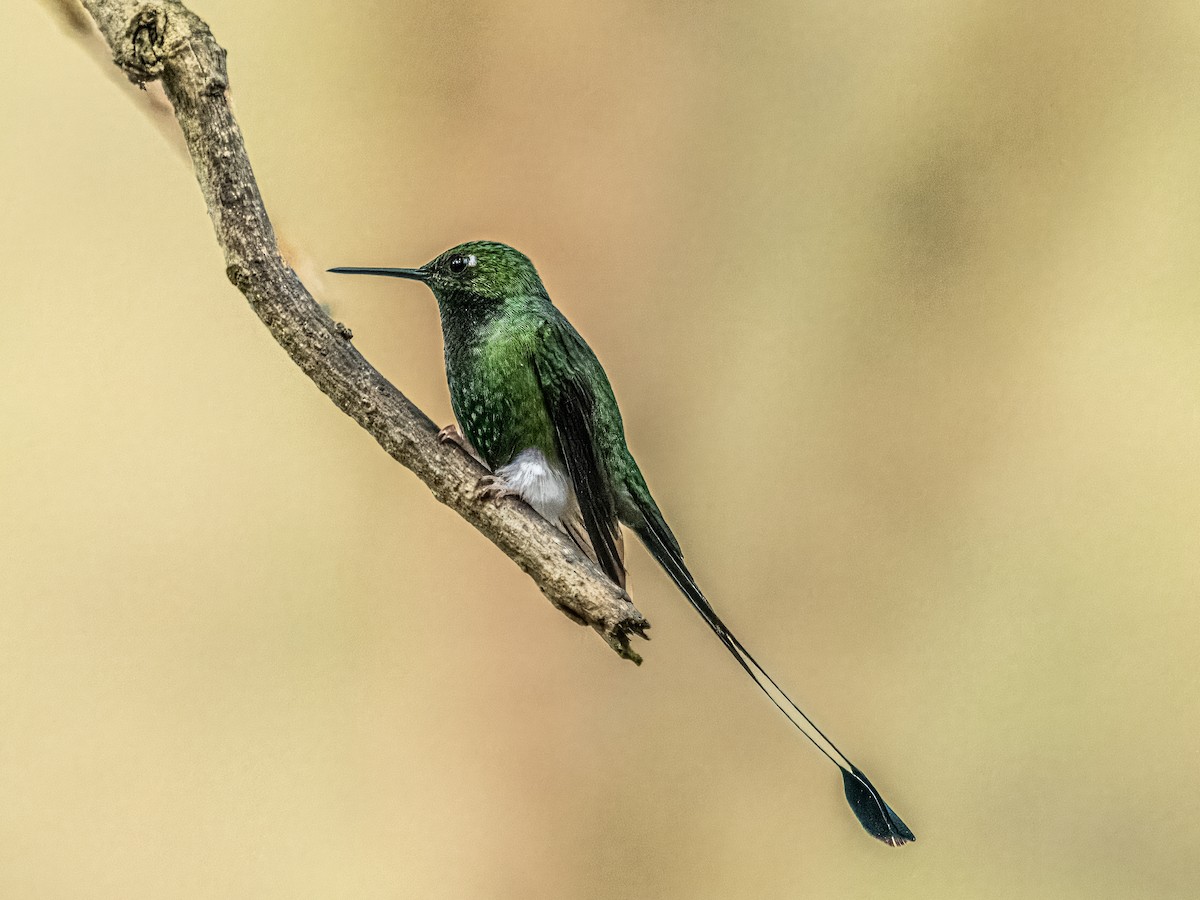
column 163, row 40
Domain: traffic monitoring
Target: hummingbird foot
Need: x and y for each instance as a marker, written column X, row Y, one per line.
column 493, row 487
column 452, row 434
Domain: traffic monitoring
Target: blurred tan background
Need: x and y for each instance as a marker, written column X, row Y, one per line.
column 900, row 303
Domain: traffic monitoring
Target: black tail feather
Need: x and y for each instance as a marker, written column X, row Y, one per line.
column 868, row 806
column 873, row 813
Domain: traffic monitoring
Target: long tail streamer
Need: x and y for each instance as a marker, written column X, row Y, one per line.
column 879, row 820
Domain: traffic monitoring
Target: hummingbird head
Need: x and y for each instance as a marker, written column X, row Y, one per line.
column 482, row 271
column 479, row 275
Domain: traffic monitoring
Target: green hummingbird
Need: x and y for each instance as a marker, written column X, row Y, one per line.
column 535, row 405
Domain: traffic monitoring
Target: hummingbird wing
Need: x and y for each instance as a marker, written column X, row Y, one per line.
column 569, row 375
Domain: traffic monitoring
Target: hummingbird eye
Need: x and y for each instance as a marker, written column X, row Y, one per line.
column 459, row 264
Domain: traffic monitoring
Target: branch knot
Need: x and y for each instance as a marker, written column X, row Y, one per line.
column 157, row 32
column 142, row 54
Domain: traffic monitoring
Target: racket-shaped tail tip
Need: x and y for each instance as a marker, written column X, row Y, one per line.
column 874, row 814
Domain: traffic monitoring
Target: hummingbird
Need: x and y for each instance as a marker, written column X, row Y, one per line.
column 535, row 406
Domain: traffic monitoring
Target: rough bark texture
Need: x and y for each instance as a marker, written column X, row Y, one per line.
column 163, row 40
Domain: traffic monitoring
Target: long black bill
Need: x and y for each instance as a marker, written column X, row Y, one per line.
column 414, row 274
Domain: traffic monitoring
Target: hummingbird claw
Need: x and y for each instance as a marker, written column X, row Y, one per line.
column 492, row 487
column 452, row 434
